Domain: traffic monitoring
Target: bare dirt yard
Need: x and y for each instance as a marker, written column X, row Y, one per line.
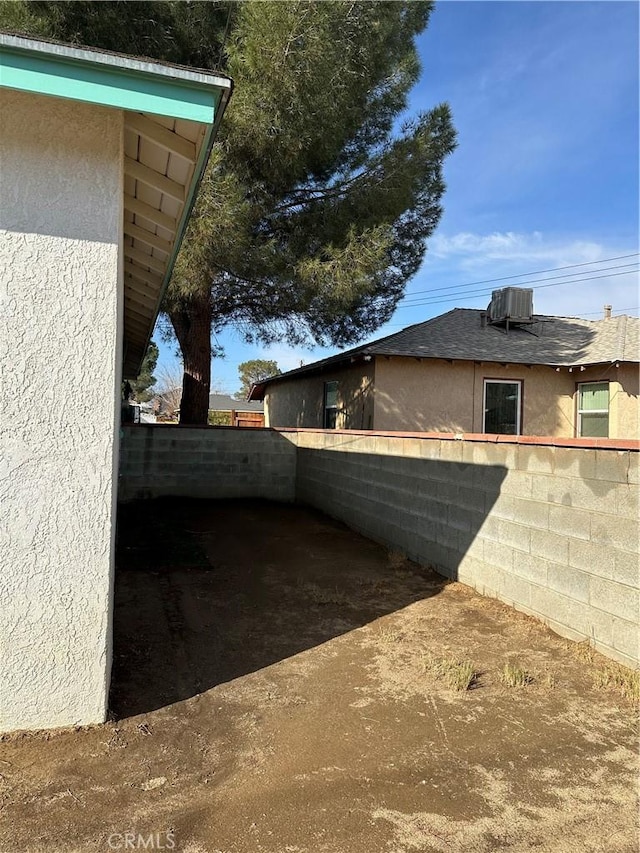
column 282, row 684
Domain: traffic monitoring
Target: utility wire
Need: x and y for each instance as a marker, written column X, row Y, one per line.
column 527, row 274
column 530, row 281
column 478, row 293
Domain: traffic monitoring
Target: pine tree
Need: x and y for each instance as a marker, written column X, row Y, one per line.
column 319, row 198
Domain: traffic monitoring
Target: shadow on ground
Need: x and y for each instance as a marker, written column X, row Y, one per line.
column 207, row 591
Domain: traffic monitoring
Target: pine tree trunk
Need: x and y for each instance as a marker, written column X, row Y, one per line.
column 192, row 325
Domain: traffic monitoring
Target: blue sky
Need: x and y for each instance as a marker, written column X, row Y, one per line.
column 545, row 101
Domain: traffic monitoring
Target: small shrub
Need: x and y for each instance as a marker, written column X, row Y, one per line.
column 514, row 676
column 219, row 418
column 625, row 681
column 457, row 674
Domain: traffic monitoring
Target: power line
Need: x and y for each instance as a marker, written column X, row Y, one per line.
column 533, row 281
column 479, row 293
column 526, row 274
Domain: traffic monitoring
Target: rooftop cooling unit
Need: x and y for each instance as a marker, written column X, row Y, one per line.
column 511, row 305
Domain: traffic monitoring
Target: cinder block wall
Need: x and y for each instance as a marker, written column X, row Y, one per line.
column 551, row 530
column 205, row 462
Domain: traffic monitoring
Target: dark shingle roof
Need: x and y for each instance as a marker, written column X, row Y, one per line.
column 460, row 335
column 558, row 341
column 225, row 403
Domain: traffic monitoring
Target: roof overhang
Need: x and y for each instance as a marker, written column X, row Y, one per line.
column 171, row 119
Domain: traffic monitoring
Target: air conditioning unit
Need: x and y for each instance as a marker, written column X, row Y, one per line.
column 511, row 305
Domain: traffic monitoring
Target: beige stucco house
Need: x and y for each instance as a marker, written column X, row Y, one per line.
column 463, row 373
column 100, row 159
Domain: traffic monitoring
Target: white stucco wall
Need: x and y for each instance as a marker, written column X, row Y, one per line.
column 60, row 221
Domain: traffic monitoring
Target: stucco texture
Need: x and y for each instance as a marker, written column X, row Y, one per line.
column 300, row 402
column 61, row 187
column 434, row 395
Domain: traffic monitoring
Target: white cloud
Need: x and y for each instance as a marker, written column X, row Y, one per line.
column 472, row 249
column 467, row 257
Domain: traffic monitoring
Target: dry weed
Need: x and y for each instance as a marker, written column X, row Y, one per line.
column 457, row 674
column 625, row 681
column 513, row 675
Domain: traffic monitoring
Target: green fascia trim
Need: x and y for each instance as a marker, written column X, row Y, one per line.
column 107, row 85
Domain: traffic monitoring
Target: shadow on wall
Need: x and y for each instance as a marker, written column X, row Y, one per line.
column 432, row 509
column 207, row 591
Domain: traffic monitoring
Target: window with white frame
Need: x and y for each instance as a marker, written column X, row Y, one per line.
column 502, row 406
column 330, row 405
column 593, row 410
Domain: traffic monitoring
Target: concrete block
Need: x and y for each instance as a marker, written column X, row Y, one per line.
column 476, row 520
column 575, row 462
column 535, row 459
column 633, row 473
column 500, row 507
column 627, row 500
column 442, row 557
column 446, row 535
column 626, row 639
column 626, row 568
column 615, row 598
column 612, row 465
column 447, row 492
column 468, row 568
column 475, row 547
column 459, row 518
column 491, row 529
column 561, row 613
column 548, row 489
column 601, row 627
column 569, row 581
column 488, row 579
column 488, row 478
column 568, row 521
column 591, row 557
column 531, row 567
column 437, row 512
column 591, row 494
column 472, row 453
column 429, row 448
column 532, row 513
column 618, row 532
column 518, row 484
column 451, row 451
column 498, row 555
column 443, row 471
column 411, row 448
column 515, row 535
column 515, row 589
column 472, row 499
column 502, row 455
column 551, row 546
column 395, row 446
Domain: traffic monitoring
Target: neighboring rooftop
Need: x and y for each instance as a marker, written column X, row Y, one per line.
column 461, row 335
column 225, row 403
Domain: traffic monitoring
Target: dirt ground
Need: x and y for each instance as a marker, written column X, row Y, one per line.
column 274, row 689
